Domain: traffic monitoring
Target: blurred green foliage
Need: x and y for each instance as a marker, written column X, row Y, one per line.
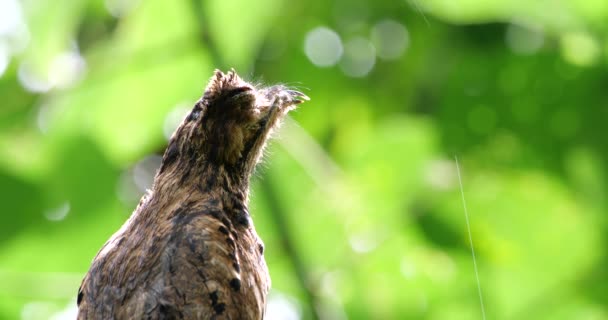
column 358, row 203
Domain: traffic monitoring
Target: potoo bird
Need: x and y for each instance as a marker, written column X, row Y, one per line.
column 190, row 250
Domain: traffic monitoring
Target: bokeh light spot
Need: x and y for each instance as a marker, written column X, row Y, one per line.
column 580, row 49
column 359, row 57
column 323, row 47
column 408, row 268
column 13, row 30
column 282, row 307
column 119, row 8
column 67, row 69
column 524, row 40
column 126, row 189
column 36, row 310
column 5, row 58
column 145, row 170
column 441, row 174
column 363, row 243
column 43, row 118
column 58, row 213
column 32, row 80
column 174, row 118
column 390, row 38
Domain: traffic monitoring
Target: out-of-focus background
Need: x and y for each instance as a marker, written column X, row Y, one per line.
column 358, row 201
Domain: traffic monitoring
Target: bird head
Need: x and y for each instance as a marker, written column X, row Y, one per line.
column 228, row 127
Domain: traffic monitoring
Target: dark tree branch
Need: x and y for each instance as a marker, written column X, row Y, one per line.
column 204, row 36
column 282, row 228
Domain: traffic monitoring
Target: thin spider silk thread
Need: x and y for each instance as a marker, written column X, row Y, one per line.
column 466, row 215
column 417, row 7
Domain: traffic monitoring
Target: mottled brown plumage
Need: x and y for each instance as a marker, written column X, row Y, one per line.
column 189, row 250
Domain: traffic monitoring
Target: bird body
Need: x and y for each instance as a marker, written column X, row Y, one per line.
column 190, row 250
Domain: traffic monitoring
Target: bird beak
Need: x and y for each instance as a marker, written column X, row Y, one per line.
column 297, row 96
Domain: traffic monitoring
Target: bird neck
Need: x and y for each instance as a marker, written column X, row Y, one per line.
column 204, row 179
